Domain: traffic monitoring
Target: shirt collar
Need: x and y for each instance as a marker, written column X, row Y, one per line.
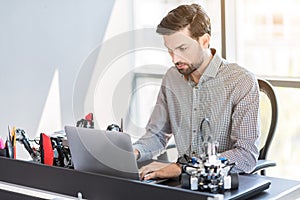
column 214, row 64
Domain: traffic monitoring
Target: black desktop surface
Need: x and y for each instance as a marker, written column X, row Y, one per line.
column 94, row 186
column 249, row 186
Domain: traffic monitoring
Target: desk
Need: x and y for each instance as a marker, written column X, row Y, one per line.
column 280, row 189
column 96, row 186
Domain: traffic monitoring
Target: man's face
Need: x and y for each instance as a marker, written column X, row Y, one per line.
column 186, row 52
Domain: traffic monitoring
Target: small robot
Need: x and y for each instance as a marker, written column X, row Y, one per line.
column 208, row 172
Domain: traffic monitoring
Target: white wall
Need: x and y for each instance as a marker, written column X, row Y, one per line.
column 113, row 67
column 42, row 46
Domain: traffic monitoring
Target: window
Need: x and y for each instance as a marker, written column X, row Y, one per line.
column 266, row 42
column 268, row 36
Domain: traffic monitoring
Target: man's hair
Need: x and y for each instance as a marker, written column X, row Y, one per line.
column 192, row 16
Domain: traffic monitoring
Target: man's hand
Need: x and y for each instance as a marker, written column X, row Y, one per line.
column 159, row 170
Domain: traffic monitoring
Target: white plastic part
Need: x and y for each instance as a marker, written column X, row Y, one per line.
column 194, row 183
column 227, row 182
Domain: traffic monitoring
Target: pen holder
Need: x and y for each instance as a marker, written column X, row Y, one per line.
column 3, row 152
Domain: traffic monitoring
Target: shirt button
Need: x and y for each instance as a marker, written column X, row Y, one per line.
column 196, row 88
column 194, row 131
column 195, row 109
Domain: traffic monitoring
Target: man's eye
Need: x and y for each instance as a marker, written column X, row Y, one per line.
column 182, row 48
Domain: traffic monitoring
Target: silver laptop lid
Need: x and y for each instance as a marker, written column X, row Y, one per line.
column 99, row 151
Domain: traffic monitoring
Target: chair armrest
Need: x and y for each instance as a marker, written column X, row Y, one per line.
column 262, row 164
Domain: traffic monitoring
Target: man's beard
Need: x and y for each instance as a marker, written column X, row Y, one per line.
column 187, row 71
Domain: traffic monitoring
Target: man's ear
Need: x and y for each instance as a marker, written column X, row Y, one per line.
column 204, row 41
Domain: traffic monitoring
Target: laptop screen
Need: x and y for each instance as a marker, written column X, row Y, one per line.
column 99, row 151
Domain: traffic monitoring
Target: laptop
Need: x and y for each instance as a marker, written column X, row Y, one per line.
column 101, row 151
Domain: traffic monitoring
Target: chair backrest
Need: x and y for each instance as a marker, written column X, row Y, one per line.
column 269, row 116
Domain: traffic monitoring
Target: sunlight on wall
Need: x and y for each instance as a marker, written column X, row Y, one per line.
column 120, row 22
column 51, row 115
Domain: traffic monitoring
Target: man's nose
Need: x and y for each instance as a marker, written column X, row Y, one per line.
column 176, row 58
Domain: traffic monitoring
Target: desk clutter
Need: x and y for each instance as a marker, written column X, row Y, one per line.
column 52, row 150
column 45, row 149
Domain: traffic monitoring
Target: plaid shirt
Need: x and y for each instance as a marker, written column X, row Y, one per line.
column 227, row 95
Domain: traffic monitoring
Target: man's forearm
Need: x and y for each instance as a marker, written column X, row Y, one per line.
column 148, row 146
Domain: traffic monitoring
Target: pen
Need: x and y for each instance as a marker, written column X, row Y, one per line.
column 9, row 147
column 121, row 125
column 9, row 136
column 13, row 140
